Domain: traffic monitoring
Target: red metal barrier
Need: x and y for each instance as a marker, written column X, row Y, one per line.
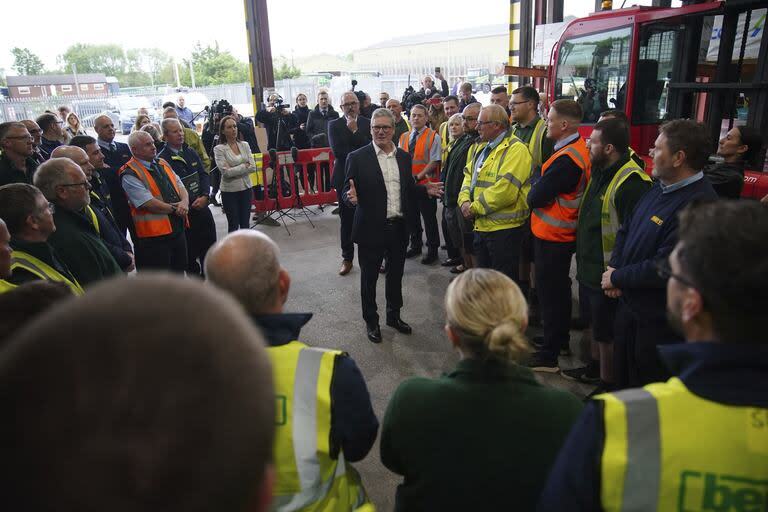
column 288, row 168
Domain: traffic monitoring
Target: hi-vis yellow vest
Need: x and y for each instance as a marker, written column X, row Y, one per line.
column 534, row 145
column 500, row 197
column 42, row 270
column 256, row 176
column 307, row 478
column 5, row 286
column 668, row 449
column 609, row 216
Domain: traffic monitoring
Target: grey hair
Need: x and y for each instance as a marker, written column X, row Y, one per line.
column 135, row 137
column 383, row 112
column 246, row 264
column 165, row 124
column 345, row 93
column 51, row 174
column 170, row 110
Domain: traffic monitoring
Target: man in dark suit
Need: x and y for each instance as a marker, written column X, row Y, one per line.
column 379, row 184
column 116, row 154
column 346, row 134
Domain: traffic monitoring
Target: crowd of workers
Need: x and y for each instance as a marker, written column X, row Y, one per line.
column 672, row 282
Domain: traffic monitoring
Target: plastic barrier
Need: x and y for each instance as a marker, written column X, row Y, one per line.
column 293, row 166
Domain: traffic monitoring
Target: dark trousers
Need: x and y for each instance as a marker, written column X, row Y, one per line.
column 427, row 209
column 369, row 257
column 347, row 217
column 499, row 250
column 215, row 181
column 201, row 235
column 237, row 207
column 636, row 360
column 553, row 286
column 453, row 251
column 162, row 253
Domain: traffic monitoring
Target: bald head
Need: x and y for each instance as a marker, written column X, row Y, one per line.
column 155, row 416
column 77, row 155
column 246, row 264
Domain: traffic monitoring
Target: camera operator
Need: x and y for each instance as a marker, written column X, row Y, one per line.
column 210, row 139
column 428, row 85
column 366, row 107
column 247, row 130
column 279, row 122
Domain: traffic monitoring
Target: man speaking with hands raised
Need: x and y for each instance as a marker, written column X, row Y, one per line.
column 380, row 185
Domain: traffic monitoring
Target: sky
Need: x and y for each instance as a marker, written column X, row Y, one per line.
column 301, row 27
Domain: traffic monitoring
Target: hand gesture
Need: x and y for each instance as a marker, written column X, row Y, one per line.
column 352, row 193
column 352, row 124
column 434, row 189
column 200, row 203
column 465, row 211
column 182, row 208
column 605, row 282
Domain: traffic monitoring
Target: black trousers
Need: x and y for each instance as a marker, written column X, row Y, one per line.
column 201, row 235
column 453, row 251
column 347, row 217
column 553, row 286
column 499, row 250
column 427, row 209
column 162, row 253
column 636, row 360
column 215, row 181
column 369, row 257
column 237, row 207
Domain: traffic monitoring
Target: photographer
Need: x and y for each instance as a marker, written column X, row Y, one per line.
column 428, row 85
column 218, row 110
column 279, row 122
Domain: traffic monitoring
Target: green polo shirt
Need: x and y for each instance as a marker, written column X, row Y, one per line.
column 524, row 133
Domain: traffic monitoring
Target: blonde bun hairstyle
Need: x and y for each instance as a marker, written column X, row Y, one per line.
column 489, row 313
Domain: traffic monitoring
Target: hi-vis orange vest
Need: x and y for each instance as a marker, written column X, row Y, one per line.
column 150, row 224
column 556, row 222
column 421, row 152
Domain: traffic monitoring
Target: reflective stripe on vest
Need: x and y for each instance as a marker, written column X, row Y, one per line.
column 669, row 449
column 5, row 286
column 42, row 270
column 421, row 153
column 150, row 224
column 505, row 162
column 445, row 141
column 308, row 479
column 609, row 216
column 557, row 221
column 534, row 144
column 94, row 220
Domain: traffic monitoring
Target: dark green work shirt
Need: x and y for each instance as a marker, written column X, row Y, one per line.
column 401, row 127
column 482, row 437
column 524, row 133
column 589, row 234
column 42, row 251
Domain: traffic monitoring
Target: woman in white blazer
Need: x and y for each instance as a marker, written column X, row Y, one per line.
column 235, row 161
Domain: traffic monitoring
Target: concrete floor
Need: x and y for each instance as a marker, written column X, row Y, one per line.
column 312, row 256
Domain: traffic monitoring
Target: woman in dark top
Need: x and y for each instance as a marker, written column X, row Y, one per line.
column 738, row 148
column 484, row 436
column 301, row 111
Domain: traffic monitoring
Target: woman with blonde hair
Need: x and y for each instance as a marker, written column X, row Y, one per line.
column 73, row 128
column 141, row 120
column 482, row 437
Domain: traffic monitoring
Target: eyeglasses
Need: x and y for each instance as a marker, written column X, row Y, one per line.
column 664, row 270
column 382, row 128
column 347, row 105
column 469, row 118
column 481, row 123
column 85, row 184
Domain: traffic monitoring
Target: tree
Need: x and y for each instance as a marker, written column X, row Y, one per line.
column 285, row 71
column 215, row 67
column 95, row 58
column 25, row 62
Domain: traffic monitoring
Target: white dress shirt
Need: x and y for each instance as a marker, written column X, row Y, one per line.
column 391, row 173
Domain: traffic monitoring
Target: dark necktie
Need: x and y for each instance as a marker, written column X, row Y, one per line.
column 412, row 142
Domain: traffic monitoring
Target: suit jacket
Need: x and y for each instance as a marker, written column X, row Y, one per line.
column 343, row 142
column 371, row 211
column 111, row 176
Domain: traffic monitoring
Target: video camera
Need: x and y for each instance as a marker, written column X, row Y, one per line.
column 360, row 94
column 411, row 97
column 279, row 103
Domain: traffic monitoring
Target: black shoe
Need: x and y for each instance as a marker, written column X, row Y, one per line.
column 538, row 340
column 335, row 211
column 399, row 325
column 458, row 269
column 538, row 363
column 451, row 262
column 374, row 332
column 583, row 374
column 430, row 258
column 413, row 251
column 213, row 200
